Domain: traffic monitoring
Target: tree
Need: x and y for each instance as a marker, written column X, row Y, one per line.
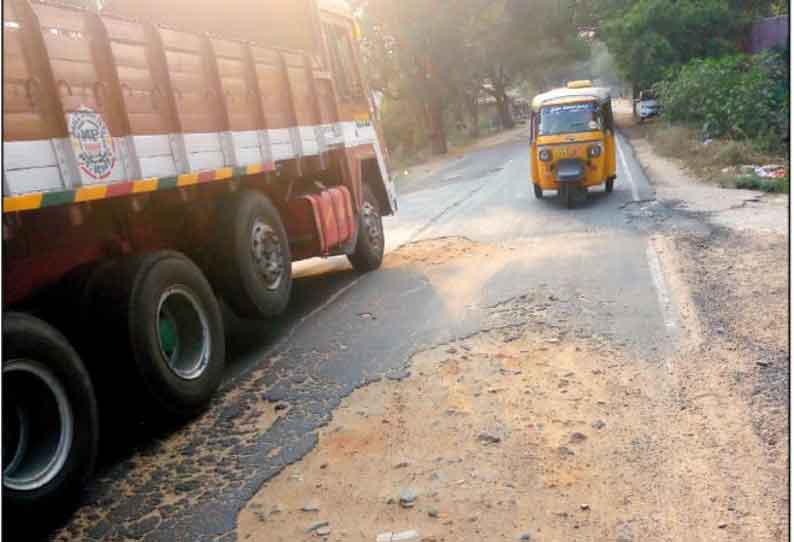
column 650, row 37
column 522, row 40
column 415, row 45
column 759, row 8
column 442, row 53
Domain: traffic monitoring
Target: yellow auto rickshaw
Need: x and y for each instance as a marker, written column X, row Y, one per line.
column 572, row 141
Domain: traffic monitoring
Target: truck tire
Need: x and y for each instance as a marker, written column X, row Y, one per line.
column 161, row 313
column 253, row 265
column 368, row 252
column 50, row 420
column 66, row 305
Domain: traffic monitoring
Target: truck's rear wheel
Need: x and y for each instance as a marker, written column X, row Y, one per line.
column 253, row 266
column 161, row 312
column 368, row 252
column 50, row 422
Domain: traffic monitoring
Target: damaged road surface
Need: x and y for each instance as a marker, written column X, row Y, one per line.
column 514, row 371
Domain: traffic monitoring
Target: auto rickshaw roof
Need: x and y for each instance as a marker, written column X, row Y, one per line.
column 570, row 95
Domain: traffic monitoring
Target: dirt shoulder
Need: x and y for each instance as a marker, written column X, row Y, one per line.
column 738, row 273
column 678, row 185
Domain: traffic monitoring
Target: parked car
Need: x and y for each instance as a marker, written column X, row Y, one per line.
column 646, row 105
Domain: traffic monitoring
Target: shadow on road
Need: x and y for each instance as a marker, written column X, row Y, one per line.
column 247, row 341
column 125, row 433
column 592, row 200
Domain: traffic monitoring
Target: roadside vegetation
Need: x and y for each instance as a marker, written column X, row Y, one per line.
column 449, row 71
column 721, row 108
column 725, row 162
column 409, row 141
column 741, row 97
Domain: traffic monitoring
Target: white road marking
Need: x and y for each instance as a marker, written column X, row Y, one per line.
column 634, row 192
column 659, row 284
column 654, row 264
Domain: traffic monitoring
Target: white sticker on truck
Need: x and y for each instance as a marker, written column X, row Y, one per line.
column 92, row 144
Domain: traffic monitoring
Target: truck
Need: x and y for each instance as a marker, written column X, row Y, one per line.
column 159, row 157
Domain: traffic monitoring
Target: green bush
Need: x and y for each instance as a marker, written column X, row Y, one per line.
column 751, row 182
column 647, row 36
column 737, row 96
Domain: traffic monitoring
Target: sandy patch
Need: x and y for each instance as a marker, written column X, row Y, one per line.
column 512, row 432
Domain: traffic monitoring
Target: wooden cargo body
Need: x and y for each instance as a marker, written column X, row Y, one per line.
column 121, row 133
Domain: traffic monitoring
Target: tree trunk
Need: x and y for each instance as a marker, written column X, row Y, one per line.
column 505, row 116
column 474, row 113
column 433, row 106
column 438, row 135
column 499, row 83
column 460, row 118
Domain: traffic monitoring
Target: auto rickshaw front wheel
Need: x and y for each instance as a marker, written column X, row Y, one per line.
column 568, row 194
column 538, row 190
column 609, row 185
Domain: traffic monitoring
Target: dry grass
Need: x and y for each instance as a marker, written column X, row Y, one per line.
column 706, row 161
column 683, row 143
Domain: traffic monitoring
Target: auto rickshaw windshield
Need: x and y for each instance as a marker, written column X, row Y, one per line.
column 569, row 118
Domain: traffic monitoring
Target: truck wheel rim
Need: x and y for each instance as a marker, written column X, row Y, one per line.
column 38, row 425
column 266, row 254
column 372, row 226
column 183, row 333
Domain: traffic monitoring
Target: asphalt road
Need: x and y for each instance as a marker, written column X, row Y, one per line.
column 343, row 331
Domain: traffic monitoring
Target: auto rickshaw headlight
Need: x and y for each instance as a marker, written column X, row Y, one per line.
column 544, row 155
column 594, row 151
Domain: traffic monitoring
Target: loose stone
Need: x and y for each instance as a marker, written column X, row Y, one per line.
column 407, row 497
column 314, row 526
column 489, row 438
